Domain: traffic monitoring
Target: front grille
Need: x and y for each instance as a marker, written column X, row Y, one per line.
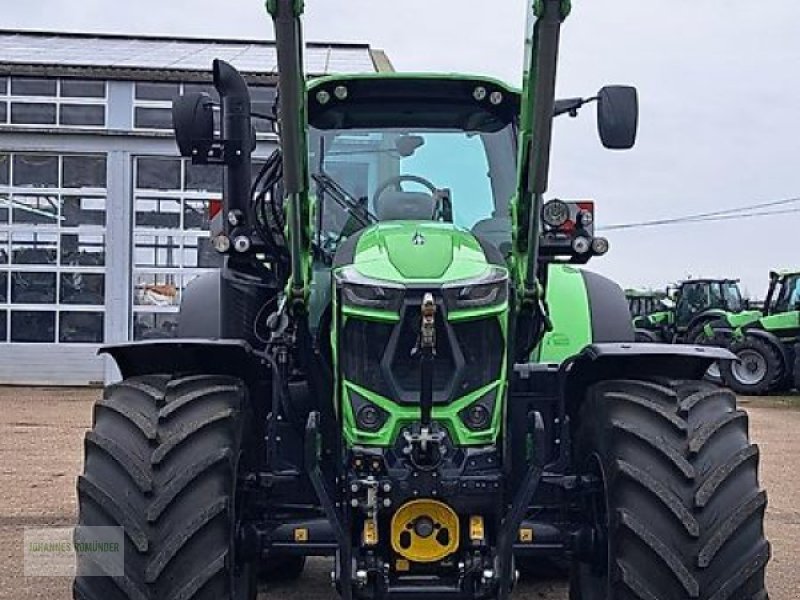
column 362, row 348
column 378, row 356
column 481, row 344
column 405, row 368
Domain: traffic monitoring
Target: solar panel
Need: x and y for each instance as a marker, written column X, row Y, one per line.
column 179, row 54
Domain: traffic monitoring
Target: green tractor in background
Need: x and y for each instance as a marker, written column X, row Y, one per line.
column 688, row 308
column 642, row 303
column 400, row 366
column 765, row 343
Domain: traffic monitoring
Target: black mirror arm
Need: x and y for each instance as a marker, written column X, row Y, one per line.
column 571, row 106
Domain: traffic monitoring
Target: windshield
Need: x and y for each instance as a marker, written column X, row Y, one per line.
column 361, row 176
column 732, row 296
column 789, row 298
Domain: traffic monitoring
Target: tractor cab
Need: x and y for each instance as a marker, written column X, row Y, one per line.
column 784, row 293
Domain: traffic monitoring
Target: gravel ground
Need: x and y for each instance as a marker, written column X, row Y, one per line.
column 41, row 432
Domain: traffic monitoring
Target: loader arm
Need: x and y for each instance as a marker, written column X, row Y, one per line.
column 292, row 119
column 536, row 123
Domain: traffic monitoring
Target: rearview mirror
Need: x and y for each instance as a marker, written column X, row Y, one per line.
column 193, row 120
column 618, row 116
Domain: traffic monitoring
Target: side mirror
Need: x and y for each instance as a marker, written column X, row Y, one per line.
column 618, row 116
column 193, row 120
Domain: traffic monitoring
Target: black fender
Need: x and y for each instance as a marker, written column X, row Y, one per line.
column 608, row 308
column 773, row 339
column 188, row 357
column 704, row 317
column 652, row 336
column 600, row 362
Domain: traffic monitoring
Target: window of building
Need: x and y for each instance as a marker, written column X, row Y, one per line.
column 53, row 102
column 153, row 103
column 171, row 239
column 52, row 247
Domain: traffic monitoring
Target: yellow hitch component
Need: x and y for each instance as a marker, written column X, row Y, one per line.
column 301, row 534
column 526, row 535
column 370, row 537
column 476, row 528
column 402, row 565
column 425, row 531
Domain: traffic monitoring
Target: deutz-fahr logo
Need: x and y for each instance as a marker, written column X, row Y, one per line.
column 418, row 239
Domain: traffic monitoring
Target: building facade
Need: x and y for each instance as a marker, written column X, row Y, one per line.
column 102, row 225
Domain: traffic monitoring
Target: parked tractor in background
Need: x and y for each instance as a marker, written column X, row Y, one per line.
column 765, row 343
column 689, row 306
column 642, row 303
column 399, row 366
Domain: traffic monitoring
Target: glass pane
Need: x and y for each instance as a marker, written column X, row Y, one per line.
column 83, row 288
column 3, row 112
column 33, row 288
column 33, row 113
column 152, row 118
column 83, row 249
column 82, row 88
column 158, row 174
column 35, row 170
column 84, row 171
column 195, row 214
column 33, row 86
column 152, row 326
column 33, row 326
column 156, row 289
column 4, row 169
column 156, row 91
column 87, row 115
column 193, row 88
column 34, row 248
column 3, row 286
column 3, row 248
column 80, row 327
column 83, row 210
column 3, row 85
column 199, row 253
column 157, row 251
column 3, row 326
column 204, row 178
column 38, row 210
column 5, row 209
column 160, row 213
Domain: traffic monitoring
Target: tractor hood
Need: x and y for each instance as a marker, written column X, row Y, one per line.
column 419, row 252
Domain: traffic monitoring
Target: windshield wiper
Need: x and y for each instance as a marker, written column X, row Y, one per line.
column 344, row 199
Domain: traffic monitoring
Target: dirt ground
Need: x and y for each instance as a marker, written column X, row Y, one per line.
column 41, row 433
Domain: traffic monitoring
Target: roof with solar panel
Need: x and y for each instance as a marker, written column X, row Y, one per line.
column 120, row 56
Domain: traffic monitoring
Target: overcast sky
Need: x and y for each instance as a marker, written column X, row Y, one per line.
column 720, row 126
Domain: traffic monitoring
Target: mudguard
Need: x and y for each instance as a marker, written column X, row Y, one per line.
column 187, row 356
column 599, row 362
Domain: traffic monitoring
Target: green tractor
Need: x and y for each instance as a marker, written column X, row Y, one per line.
column 765, row 343
column 642, row 303
column 400, row 366
column 688, row 308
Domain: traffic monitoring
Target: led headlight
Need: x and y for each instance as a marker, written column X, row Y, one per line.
column 489, row 290
column 478, row 415
column 360, row 291
column 600, row 245
column 586, row 218
column 369, row 417
column 581, row 245
column 555, row 213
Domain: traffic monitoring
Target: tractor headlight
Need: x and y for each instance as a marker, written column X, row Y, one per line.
column 478, row 416
column 555, row 213
column 489, row 290
column 359, row 291
column 369, row 417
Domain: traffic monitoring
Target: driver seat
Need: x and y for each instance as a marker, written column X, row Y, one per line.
column 405, row 206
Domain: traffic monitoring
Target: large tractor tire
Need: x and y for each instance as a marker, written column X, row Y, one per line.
column 161, row 462
column 646, row 336
column 697, row 337
column 680, row 515
column 757, row 370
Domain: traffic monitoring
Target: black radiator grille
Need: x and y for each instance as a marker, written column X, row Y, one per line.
column 377, row 356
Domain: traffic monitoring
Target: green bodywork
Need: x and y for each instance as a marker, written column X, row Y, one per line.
column 569, row 312
column 386, row 254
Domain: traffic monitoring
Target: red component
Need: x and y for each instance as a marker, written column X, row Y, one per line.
column 588, row 205
column 214, row 208
column 568, row 227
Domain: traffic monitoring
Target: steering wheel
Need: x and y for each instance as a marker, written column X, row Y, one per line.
column 397, row 181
